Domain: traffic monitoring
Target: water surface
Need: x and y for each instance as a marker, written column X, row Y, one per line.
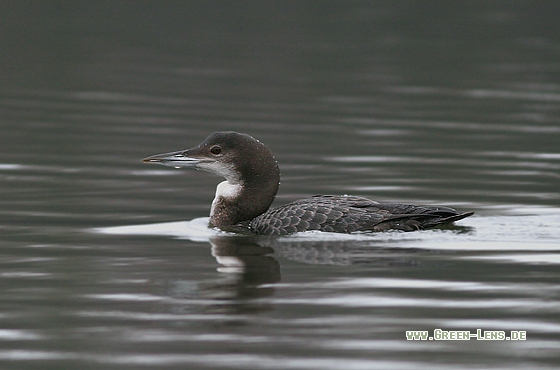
column 106, row 262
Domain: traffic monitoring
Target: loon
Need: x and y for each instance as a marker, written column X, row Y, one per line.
column 252, row 178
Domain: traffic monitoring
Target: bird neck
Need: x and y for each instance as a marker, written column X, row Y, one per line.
column 236, row 202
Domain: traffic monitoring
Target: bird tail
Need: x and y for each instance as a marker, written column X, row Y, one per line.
column 450, row 219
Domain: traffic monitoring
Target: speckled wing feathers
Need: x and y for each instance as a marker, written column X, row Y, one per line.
column 349, row 214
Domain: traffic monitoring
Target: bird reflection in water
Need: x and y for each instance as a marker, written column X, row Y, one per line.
column 247, row 272
column 248, row 268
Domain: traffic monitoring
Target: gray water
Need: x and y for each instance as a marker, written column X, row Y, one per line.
column 106, row 262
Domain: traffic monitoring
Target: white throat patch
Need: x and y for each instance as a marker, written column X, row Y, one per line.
column 224, row 190
column 227, row 190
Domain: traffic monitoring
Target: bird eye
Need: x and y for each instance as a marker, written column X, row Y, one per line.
column 215, row 150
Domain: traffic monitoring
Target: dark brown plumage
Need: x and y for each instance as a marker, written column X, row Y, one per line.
column 350, row 214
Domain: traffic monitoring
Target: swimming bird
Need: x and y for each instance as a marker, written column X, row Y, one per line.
column 252, row 178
